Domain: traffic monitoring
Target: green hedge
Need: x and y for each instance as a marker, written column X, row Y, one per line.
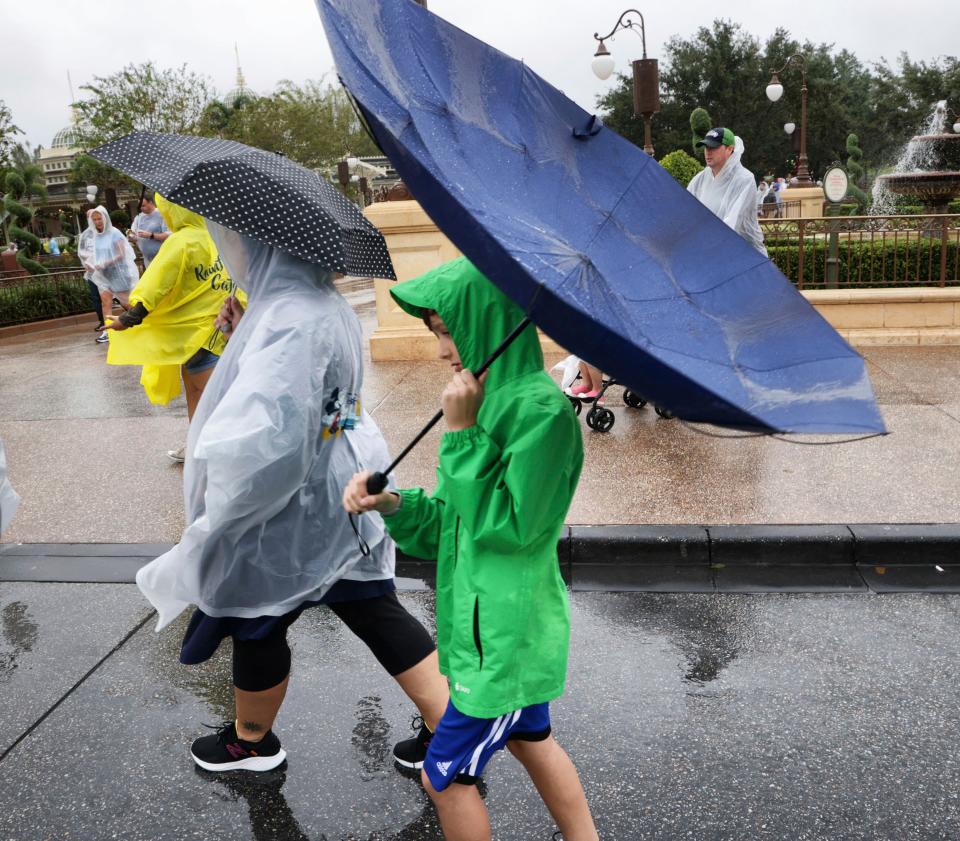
column 39, row 299
column 902, row 266
column 61, row 262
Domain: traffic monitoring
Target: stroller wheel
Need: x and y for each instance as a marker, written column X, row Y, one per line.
column 575, row 402
column 600, row 419
column 633, row 400
column 605, row 420
column 666, row 414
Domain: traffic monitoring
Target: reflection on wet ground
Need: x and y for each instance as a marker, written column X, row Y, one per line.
column 688, row 716
column 19, row 633
column 371, row 736
column 645, row 470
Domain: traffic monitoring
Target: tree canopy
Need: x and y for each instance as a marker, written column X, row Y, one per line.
column 8, row 135
column 145, row 97
column 725, row 70
column 312, row 123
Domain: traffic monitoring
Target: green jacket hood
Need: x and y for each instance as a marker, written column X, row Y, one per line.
column 478, row 315
column 177, row 217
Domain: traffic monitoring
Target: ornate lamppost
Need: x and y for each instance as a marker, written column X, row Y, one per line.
column 646, row 75
column 774, row 92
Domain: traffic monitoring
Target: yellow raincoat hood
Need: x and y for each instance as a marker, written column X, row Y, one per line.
column 182, row 290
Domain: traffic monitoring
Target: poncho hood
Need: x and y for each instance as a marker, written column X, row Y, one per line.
column 108, row 231
column 478, row 315
column 177, row 217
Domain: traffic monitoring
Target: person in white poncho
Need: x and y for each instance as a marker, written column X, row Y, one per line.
column 726, row 187
column 9, row 500
column 109, row 260
column 276, row 436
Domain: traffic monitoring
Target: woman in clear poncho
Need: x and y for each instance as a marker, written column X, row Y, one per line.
column 9, row 500
column 276, row 436
column 85, row 252
column 112, row 264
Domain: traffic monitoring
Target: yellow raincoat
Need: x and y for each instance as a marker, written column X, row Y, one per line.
column 182, row 291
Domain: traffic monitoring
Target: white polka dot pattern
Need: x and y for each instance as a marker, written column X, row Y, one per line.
column 261, row 194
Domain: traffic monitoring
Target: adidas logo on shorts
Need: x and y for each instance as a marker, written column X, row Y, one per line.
column 444, row 767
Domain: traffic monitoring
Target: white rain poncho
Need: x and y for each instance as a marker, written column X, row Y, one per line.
column 85, row 250
column 115, row 265
column 9, row 500
column 732, row 195
column 278, row 434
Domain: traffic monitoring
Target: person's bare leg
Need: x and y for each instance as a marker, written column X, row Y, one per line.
column 123, row 298
column 256, row 711
column 461, row 811
column 427, row 688
column 106, row 301
column 556, row 779
column 594, row 375
column 193, row 385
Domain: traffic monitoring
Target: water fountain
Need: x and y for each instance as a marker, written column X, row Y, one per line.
column 928, row 170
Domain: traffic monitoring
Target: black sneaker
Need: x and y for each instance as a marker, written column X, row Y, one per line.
column 226, row 751
column 410, row 753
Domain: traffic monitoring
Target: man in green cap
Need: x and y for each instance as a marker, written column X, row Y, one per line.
column 728, row 188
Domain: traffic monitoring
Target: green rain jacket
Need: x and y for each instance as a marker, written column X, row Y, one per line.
column 493, row 522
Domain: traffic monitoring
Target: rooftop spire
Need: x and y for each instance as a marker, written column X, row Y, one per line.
column 241, row 82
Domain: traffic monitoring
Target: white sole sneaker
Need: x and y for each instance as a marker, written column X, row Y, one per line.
column 251, row 763
column 177, row 456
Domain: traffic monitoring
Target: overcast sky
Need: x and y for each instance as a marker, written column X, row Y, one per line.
column 283, row 39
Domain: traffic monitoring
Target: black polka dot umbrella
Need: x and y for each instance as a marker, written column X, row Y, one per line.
column 261, row 194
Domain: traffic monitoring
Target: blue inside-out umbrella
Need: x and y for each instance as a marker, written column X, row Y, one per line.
column 590, row 236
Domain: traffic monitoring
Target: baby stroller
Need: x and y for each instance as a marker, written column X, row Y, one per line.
column 600, row 418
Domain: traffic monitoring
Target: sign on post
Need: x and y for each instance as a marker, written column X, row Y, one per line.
column 835, row 185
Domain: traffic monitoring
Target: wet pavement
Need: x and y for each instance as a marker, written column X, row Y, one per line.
column 689, row 716
column 695, row 715
column 78, row 430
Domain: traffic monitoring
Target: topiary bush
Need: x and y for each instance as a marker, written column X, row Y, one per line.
column 855, row 171
column 681, row 166
column 29, row 244
column 700, row 124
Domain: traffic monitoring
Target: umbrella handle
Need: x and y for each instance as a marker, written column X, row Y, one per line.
column 378, row 481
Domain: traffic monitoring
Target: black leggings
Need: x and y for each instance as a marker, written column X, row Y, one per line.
column 396, row 638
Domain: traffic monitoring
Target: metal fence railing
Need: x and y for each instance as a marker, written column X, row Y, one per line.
column 780, row 210
column 866, row 251
column 34, row 298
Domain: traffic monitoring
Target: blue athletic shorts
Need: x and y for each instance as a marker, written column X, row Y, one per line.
column 463, row 745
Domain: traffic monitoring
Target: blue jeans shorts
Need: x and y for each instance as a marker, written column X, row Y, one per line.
column 201, row 361
column 463, row 745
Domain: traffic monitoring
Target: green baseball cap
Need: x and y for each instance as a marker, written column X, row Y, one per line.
column 717, row 137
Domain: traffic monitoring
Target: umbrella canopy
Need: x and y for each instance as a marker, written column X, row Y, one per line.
column 589, row 235
column 261, row 194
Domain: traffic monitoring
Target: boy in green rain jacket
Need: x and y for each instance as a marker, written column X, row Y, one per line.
column 509, row 465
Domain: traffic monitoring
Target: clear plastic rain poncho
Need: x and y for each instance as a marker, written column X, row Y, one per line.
column 732, row 195
column 115, row 266
column 9, row 500
column 276, row 437
column 85, row 250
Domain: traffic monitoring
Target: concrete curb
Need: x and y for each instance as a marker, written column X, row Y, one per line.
column 855, row 558
column 48, row 324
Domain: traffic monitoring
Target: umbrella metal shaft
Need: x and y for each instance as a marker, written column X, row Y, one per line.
column 378, row 481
